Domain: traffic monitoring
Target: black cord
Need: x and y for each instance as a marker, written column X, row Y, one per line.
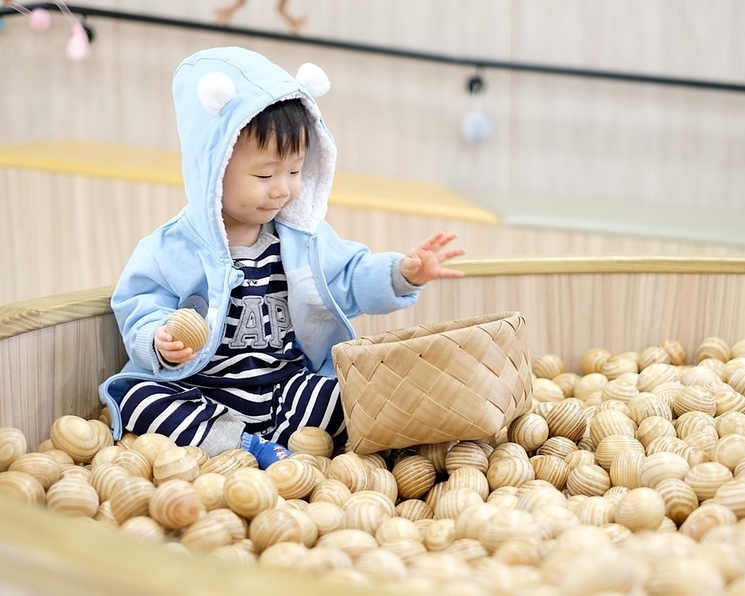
column 479, row 63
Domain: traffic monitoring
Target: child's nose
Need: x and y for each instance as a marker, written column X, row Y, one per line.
column 281, row 188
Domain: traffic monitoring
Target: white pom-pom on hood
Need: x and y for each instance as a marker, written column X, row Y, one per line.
column 314, row 79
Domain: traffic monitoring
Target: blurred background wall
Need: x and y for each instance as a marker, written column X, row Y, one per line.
column 564, row 152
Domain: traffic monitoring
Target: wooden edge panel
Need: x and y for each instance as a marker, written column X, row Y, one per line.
column 31, row 315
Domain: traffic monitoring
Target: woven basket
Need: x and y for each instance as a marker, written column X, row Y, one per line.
column 457, row 380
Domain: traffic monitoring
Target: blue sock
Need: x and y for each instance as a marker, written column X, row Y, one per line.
column 265, row 452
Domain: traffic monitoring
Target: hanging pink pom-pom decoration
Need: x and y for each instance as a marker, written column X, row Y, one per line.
column 39, row 19
column 78, row 46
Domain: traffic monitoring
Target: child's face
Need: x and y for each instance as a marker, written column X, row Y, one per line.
column 257, row 184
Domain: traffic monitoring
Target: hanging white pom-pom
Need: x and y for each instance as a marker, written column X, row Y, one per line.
column 78, row 46
column 313, row 79
column 40, row 19
column 475, row 127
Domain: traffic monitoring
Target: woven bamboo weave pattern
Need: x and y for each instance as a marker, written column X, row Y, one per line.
column 457, row 380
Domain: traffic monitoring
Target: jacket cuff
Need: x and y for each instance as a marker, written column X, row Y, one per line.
column 401, row 287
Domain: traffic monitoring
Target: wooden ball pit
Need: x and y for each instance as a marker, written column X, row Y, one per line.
column 539, row 538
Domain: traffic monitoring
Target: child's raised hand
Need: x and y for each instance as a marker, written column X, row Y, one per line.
column 424, row 263
column 171, row 350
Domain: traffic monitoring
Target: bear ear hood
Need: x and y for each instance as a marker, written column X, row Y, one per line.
column 216, row 94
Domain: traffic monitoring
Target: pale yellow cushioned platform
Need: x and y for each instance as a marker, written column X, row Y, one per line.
column 161, row 166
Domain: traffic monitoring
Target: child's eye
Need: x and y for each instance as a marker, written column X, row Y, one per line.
column 263, row 177
column 295, row 173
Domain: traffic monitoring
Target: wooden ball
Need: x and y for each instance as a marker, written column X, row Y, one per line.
column 383, row 481
column 351, row 541
column 550, row 468
column 151, row 445
column 22, row 486
column 325, row 515
column 695, row 398
column 106, row 455
column 680, row 499
column 730, row 494
column 441, row 533
column 73, row 497
column 175, row 504
column 606, row 423
column 330, row 490
column 466, row 453
column 283, row 555
column 205, row 534
column 713, row 347
column 617, row 364
column 364, row 515
column 272, row 526
column 588, row 479
column 103, row 430
column 106, row 477
column 506, row 523
column 548, row 366
column 293, row 477
column 611, row 445
column 144, row 528
column 453, row 502
column 211, row 489
column 415, row 475
column 249, row 491
column 175, row 462
column 350, row 469
column 222, row 463
column 74, row 436
column 312, row 440
column 509, row 471
column 187, row 326
column 652, row 355
column 705, row 478
column 706, row 517
column 567, row 419
column 675, row 351
column 660, row 466
column 414, row 510
column 592, row 360
column 529, row 431
column 381, row 565
column 436, row 453
column 729, row 450
column 647, row 404
column 13, row 443
column 396, row 528
column 236, row 525
column 588, row 384
column 39, row 465
column 134, row 463
column 470, row 477
column 131, row 498
column 566, row 382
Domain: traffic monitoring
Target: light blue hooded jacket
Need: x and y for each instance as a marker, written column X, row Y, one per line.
column 330, row 280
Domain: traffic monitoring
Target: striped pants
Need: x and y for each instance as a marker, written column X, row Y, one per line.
column 185, row 413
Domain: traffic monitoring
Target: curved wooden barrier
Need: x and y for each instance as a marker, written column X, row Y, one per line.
column 55, row 351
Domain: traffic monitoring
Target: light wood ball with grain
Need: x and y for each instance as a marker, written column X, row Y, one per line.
column 74, row 436
column 311, row 440
column 13, row 443
column 187, row 326
column 415, row 475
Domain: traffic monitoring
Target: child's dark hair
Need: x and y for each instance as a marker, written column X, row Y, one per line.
column 286, row 122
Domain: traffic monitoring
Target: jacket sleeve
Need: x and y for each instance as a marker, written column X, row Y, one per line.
column 142, row 301
column 360, row 281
